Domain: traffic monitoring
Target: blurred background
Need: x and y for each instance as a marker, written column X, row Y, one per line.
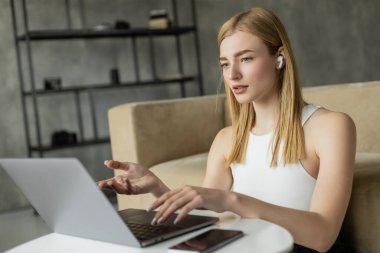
column 334, row 41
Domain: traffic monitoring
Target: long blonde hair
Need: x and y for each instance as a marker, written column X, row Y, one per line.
column 265, row 25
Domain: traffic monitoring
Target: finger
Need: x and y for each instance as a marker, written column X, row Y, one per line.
column 104, row 180
column 116, row 165
column 172, row 208
column 159, row 201
column 186, row 203
column 103, row 184
column 100, row 183
column 185, row 211
column 107, row 188
column 171, row 205
column 196, row 202
column 113, row 164
column 117, row 187
column 120, row 180
column 112, row 186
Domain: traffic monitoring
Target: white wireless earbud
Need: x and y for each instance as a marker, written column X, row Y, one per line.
column 280, row 61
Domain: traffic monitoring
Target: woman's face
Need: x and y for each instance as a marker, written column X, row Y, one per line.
column 248, row 68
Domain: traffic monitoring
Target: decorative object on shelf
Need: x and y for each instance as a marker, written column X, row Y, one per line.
column 102, row 26
column 52, row 83
column 63, row 138
column 114, row 76
column 118, row 25
column 158, row 19
column 122, row 25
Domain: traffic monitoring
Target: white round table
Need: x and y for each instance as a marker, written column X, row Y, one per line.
column 260, row 236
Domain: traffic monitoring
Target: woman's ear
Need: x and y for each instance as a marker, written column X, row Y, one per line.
column 280, row 59
column 280, row 51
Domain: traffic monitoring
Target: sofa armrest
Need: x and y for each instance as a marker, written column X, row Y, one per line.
column 149, row 133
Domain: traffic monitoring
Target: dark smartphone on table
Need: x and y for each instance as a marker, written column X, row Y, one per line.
column 208, row 241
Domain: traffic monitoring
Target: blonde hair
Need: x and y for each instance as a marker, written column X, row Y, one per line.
column 265, row 25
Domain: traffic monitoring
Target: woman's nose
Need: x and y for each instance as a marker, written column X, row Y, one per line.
column 234, row 73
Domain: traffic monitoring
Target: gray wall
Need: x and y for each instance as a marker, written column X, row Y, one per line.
column 335, row 41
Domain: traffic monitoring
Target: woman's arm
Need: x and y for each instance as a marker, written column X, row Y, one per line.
column 335, row 145
column 218, row 173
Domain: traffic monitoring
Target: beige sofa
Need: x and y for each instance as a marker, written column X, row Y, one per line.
column 172, row 138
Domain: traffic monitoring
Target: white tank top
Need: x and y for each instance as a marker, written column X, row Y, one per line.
column 289, row 186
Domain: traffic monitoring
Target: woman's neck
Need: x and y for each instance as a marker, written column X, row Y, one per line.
column 266, row 115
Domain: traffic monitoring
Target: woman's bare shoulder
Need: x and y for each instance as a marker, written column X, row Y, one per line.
column 326, row 123
column 225, row 136
column 223, row 140
column 226, row 132
column 325, row 118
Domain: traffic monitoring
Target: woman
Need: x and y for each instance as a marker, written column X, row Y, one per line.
column 286, row 161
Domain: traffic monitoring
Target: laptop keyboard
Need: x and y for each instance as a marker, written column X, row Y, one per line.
column 143, row 231
column 138, row 222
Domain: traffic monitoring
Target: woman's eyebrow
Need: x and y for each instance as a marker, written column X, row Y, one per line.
column 222, row 58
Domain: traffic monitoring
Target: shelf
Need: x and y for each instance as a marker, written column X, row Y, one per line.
column 79, row 144
column 84, row 93
column 108, row 33
column 112, row 86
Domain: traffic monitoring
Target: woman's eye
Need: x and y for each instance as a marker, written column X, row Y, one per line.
column 245, row 59
column 224, row 65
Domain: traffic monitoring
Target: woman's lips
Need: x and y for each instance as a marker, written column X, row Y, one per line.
column 239, row 89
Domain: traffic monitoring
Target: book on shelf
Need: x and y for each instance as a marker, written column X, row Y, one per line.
column 161, row 23
column 159, row 19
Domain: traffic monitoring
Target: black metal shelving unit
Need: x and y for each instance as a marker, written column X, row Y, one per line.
column 109, row 33
column 28, row 36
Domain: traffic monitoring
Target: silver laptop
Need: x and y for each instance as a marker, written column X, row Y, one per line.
column 66, row 197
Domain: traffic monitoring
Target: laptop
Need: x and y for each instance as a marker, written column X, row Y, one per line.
column 69, row 201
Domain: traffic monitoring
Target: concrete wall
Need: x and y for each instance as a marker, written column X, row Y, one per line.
column 335, row 41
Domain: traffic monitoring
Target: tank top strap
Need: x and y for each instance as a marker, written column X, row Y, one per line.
column 307, row 111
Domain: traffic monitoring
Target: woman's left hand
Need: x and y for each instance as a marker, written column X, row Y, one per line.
column 187, row 199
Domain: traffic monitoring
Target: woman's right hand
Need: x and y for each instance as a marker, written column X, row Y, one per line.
column 135, row 180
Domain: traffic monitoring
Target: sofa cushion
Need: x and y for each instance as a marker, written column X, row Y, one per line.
column 189, row 170
column 365, row 160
